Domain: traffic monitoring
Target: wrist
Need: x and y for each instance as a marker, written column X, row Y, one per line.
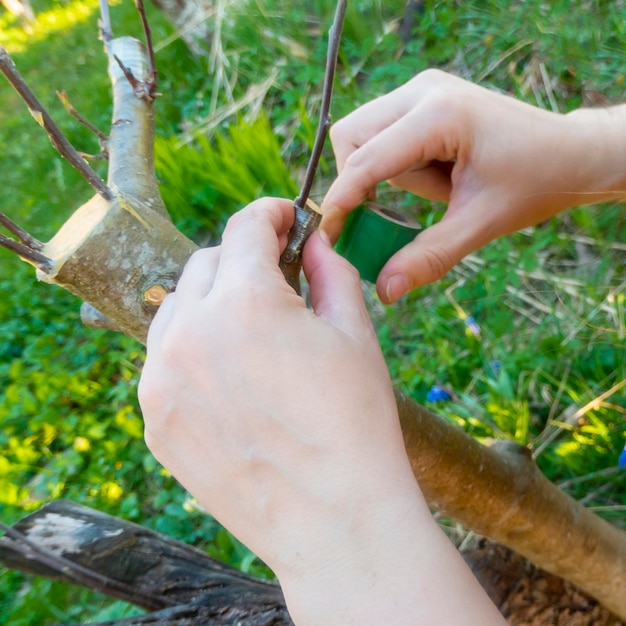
column 395, row 567
column 597, row 139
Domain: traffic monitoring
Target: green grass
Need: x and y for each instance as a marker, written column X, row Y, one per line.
column 549, row 301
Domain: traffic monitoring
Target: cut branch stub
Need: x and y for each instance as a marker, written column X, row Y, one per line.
column 111, row 253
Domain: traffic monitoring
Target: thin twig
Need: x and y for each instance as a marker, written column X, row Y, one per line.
column 79, row 573
column 57, row 138
column 26, row 238
column 62, row 95
column 334, row 36
column 26, row 252
column 152, row 79
column 105, row 23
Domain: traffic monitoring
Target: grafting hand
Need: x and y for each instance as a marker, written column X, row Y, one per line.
column 500, row 163
column 282, row 422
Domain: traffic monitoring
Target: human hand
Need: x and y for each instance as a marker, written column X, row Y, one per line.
column 282, row 422
column 500, row 163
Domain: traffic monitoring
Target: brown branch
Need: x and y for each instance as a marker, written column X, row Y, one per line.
column 62, row 95
column 307, row 217
column 27, row 247
column 28, row 254
column 82, row 575
column 152, row 76
column 334, row 37
column 57, row 138
column 20, row 233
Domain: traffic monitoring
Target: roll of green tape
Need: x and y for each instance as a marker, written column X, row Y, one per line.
column 372, row 235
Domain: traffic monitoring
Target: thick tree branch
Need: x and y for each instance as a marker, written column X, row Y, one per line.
column 131, row 141
column 58, row 140
column 71, row 542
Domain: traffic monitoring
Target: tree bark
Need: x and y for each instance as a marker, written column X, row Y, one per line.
column 142, row 567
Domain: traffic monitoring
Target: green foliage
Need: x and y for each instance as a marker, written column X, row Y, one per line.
column 205, row 181
column 548, row 333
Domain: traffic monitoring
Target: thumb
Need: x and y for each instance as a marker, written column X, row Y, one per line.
column 433, row 253
column 335, row 287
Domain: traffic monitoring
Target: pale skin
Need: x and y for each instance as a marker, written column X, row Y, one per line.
column 501, row 164
column 281, row 420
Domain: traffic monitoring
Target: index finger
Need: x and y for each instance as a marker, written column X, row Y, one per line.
column 251, row 240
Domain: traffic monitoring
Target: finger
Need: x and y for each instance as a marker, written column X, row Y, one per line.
column 357, row 128
column 433, row 182
column 251, row 242
column 410, row 144
column 160, row 322
column 434, row 252
column 198, row 277
column 335, row 288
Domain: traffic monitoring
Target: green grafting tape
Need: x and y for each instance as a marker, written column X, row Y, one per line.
column 372, row 235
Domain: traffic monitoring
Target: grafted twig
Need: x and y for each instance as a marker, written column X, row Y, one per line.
column 334, row 37
column 57, row 138
column 307, row 217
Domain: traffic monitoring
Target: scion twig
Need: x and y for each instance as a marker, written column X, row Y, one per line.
column 307, row 218
column 57, row 138
column 334, row 38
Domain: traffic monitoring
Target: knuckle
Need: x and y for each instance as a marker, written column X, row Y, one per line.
column 438, row 262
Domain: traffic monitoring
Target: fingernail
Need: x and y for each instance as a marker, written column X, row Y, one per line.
column 397, row 286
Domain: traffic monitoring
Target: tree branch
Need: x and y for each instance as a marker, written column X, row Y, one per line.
column 76, row 572
column 57, row 138
column 307, row 215
column 334, row 39
column 27, row 247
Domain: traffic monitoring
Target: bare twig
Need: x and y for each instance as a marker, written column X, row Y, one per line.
column 26, row 247
column 25, row 252
column 152, row 78
column 74, row 113
column 307, row 218
column 58, row 140
column 102, row 138
column 106, row 31
column 334, row 37
column 26, row 238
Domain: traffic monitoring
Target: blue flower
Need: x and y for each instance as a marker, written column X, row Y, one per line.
column 472, row 326
column 622, row 458
column 438, row 394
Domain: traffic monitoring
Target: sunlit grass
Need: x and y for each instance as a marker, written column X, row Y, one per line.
column 53, row 22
